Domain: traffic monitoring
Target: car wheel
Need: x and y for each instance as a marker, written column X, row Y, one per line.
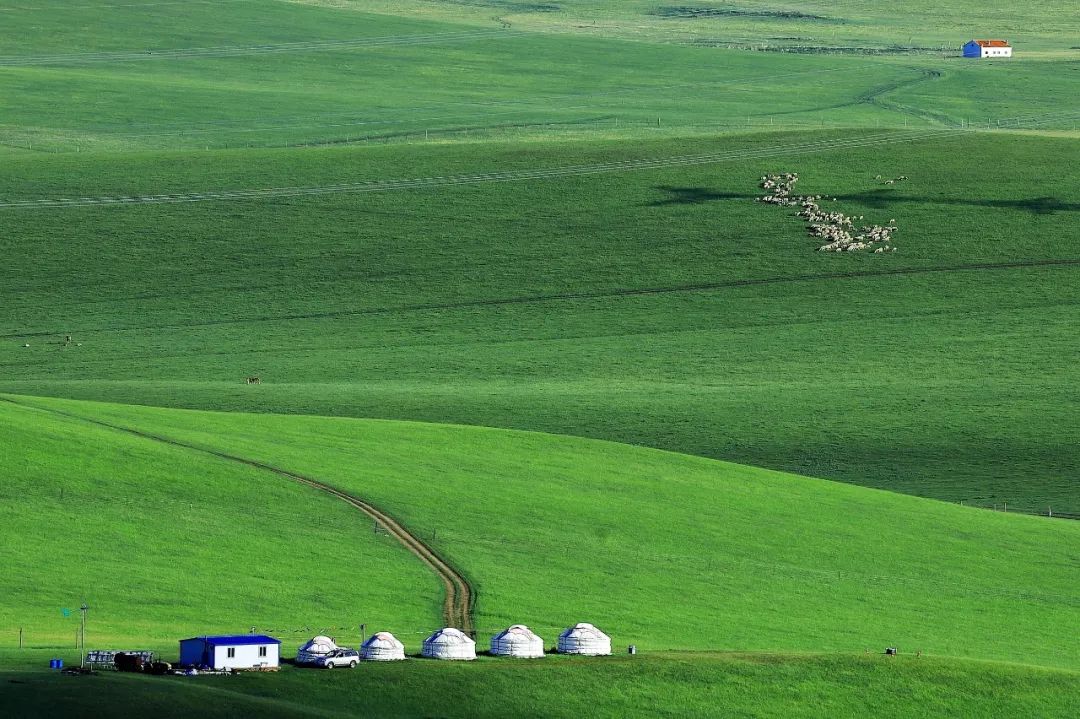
column 329, row 665
column 352, row 664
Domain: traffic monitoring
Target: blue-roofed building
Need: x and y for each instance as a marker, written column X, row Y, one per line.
column 231, row 651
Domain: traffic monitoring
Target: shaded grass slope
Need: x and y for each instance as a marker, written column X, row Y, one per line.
column 675, row 552
column 644, row 686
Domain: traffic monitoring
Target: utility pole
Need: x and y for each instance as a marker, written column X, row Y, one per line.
column 82, row 624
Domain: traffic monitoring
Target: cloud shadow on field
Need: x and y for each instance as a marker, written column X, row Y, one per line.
column 882, row 199
column 696, row 196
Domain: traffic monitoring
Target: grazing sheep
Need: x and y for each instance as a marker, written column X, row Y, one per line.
column 836, row 228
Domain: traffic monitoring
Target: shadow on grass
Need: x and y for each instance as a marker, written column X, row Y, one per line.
column 695, row 196
column 882, row 199
column 873, row 199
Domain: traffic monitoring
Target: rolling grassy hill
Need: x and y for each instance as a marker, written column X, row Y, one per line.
column 238, row 74
column 164, row 543
column 660, row 307
column 665, row 551
column 540, row 216
column 847, row 25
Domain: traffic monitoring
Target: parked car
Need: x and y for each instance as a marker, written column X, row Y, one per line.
column 339, row 658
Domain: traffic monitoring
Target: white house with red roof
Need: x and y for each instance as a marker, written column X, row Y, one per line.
column 988, row 48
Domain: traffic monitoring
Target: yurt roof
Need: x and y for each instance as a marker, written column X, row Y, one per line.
column 382, row 639
column 320, row 641
column 585, row 630
column 449, row 635
column 517, row 632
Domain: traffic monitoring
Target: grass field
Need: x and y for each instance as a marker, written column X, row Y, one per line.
column 671, row 685
column 557, row 530
column 492, row 216
column 660, row 307
column 164, row 543
column 848, row 25
column 240, row 74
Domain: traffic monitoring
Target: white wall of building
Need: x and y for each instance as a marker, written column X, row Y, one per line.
column 245, row 656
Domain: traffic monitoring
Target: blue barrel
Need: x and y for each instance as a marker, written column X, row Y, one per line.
column 52, row 663
column 59, row 663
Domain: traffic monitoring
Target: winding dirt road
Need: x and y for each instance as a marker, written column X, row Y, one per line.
column 460, row 595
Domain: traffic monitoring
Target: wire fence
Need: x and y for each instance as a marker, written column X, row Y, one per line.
column 1049, row 511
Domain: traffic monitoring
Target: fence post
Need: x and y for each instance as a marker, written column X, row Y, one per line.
column 20, row 637
column 1049, row 513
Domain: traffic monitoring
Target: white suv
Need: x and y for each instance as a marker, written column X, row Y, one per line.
column 339, row 658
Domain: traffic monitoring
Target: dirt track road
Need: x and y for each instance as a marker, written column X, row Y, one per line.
column 460, row 595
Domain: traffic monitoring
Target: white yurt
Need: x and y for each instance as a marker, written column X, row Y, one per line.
column 584, row 639
column 316, row 648
column 449, row 643
column 517, row 641
column 382, row 647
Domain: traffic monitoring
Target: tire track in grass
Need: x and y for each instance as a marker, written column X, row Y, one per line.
column 541, row 173
column 572, row 296
column 460, row 594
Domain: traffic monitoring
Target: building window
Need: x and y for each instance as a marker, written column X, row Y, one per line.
column 262, row 651
column 231, row 652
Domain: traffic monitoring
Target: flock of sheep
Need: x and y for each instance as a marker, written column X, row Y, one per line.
column 835, row 228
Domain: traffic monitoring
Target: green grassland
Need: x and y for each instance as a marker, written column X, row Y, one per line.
column 639, row 303
column 668, row 551
column 163, row 543
column 646, row 685
column 280, row 74
column 660, row 307
column 848, row 25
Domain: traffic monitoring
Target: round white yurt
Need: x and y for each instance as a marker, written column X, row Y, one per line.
column 316, row 648
column 517, row 641
column 584, row 639
column 449, row 643
column 382, row 647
